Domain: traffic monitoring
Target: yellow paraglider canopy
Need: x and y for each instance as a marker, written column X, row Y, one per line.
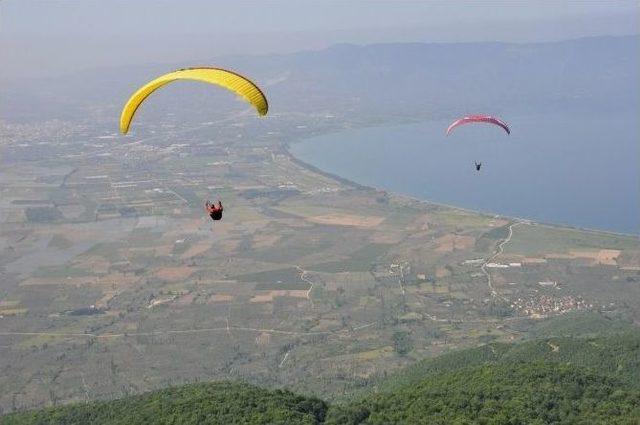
column 221, row 77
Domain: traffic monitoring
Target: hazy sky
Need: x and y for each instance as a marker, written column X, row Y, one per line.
column 51, row 37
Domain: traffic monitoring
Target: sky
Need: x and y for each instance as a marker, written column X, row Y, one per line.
column 57, row 37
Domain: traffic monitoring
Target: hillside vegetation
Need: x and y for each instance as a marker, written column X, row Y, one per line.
column 512, row 393
column 555, row 380
column 213, row 403
column 615, row 356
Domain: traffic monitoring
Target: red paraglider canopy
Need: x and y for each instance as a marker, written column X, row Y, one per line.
column 479, row 118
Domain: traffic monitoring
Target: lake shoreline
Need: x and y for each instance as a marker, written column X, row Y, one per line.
column 286, row 150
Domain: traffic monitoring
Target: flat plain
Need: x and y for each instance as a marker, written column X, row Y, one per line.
column 113, row 280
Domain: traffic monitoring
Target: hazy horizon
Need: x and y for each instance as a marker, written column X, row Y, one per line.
column 59, row 37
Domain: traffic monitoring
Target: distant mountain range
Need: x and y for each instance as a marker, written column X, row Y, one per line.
column 406, row 79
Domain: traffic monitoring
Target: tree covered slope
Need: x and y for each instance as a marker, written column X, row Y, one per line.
column 214, row 403
column 511, row 393
column 593, row 380
column 617, row 355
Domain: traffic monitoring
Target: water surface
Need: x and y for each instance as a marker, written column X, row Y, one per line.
column 581, row 171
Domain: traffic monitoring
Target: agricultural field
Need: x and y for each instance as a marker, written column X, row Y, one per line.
column 113, row 281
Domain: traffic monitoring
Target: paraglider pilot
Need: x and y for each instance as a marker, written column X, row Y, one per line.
column 478, row 165
column 215, row 212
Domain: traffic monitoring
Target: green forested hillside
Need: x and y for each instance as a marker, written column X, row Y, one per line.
column 215, row 403
column 511, row 393
column 553, row 380
column 617, row 355
column 582, row 323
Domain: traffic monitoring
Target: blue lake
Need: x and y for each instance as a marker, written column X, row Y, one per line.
column 581, row 171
